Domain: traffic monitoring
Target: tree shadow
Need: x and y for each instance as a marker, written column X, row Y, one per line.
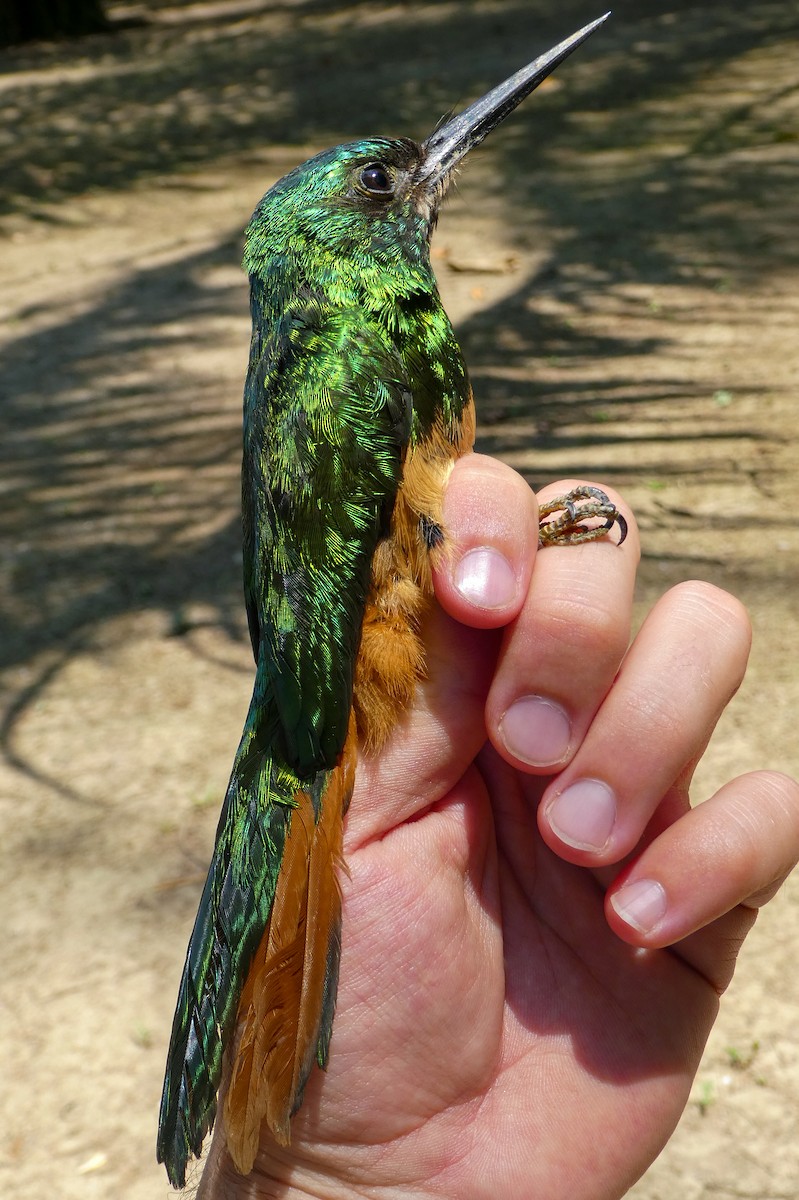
column 637, row 163
column 235, row 76
column 121, row 476
column 112, row 468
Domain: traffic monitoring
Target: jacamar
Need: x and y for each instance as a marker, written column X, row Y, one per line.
column 356, row 406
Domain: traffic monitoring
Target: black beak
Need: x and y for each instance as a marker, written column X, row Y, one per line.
column 447, row 145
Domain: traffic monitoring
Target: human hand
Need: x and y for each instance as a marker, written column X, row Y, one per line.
column 537, row 926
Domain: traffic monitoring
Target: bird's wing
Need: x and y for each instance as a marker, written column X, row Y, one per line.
column 327, row 421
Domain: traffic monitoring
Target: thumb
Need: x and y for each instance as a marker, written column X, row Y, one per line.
column 481, row 581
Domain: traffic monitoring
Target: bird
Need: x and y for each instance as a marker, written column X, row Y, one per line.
column 357, row 403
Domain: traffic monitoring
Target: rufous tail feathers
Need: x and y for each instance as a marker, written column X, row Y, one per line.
column 286, row 1007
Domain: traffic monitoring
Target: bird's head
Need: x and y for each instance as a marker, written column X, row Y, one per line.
column 377, row 200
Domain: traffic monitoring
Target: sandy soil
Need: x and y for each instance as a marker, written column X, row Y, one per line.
column 623, row 266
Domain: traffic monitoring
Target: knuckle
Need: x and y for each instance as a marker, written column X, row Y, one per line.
column 586, row 625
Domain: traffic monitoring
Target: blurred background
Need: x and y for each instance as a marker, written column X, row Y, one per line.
column 622, row 264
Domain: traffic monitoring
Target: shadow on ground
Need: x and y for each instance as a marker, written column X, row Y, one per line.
column 652, row 164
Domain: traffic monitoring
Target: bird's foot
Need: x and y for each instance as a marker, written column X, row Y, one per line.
column 581, row 504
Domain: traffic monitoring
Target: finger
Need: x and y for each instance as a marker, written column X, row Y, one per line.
column 491, row 519
column 700, row 882
column 559, row 657
column 686, row 662
column 490, row 515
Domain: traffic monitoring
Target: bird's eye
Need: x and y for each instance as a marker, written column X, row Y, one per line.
column 376, row 180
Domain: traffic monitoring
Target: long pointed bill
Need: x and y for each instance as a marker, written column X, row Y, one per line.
column 447, row 145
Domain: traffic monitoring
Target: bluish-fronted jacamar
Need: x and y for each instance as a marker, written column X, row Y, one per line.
column 356, row 405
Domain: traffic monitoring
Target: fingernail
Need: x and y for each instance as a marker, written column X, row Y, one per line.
column 536, row 730
column 583, row 816
column 641, row 904
column 485, row 578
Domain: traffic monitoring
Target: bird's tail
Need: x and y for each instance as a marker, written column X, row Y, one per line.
column 265, row 946
column 286, row 1007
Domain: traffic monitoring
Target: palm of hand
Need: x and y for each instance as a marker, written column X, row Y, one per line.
column 494, row 1035
column 480, row 975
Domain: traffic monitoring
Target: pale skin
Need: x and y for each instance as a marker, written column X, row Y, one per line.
column 527, row 985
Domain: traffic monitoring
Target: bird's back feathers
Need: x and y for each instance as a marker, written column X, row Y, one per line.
column 356, row 404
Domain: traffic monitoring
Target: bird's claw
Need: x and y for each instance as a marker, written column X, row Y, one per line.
column 581, row 504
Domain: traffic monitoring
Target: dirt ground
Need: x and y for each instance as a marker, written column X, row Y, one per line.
column 622, row 262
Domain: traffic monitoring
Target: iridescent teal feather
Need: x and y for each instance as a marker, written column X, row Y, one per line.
column 353, row 367
column 342, row 376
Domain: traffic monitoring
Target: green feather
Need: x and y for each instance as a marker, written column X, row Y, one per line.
column 352, row 359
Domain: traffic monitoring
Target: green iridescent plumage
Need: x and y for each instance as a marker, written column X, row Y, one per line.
column 348, row 350
column 353, row 364
column 233, row 910
column 349, row 337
